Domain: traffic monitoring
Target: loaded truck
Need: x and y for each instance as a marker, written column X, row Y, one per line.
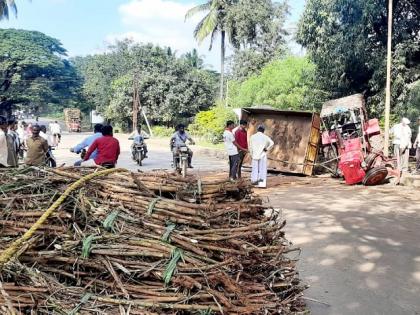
column 72, row 119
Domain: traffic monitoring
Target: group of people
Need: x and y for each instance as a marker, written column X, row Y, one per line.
column 402, row 142
column 238, row 146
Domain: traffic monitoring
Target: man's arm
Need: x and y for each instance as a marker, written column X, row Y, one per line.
column 236, row 136
column 118, row 151
column 45, row 146
column 189, row 138
column 270, row 144
column 92, row 148
column 78, row 148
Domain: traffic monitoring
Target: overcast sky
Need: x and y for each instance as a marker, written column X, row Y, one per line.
column 86, row 26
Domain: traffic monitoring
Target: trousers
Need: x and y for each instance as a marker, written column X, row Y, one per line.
column 233, row 166
column 259, row 172
column 402, row 156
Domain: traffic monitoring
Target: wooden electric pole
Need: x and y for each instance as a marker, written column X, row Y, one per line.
column 388, row 79
column 136, row 103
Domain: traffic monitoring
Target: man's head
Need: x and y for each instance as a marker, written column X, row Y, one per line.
column 405, row 121
column 243, row 124
column 261, row 128
column 230, row 125
column 56, row 122
column 12, row 123
column 139, row 128
column 97, row 128
column 181, row 128
column 35, row 130
column 3, row 123
column 43, row 128
column 107, row 130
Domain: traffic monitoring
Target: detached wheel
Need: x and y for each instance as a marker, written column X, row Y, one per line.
column 375, row 176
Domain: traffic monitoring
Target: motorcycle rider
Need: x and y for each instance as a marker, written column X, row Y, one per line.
column 179, row 139
column 138, row 139
column 97, row 133
column 108, row 150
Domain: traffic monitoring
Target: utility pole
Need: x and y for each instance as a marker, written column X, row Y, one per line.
column 136, row 103
column 388, row 80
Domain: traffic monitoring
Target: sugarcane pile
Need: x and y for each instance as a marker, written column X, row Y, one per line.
column 203, row 188
column 115, row 247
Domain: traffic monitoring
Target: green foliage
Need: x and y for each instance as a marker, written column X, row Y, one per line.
column 287, row 83
column 176, row 255
column 34, row 72
column 347, row 40
column 170, row 88
column 162, row 131
column 211, row 123
column 259, row 35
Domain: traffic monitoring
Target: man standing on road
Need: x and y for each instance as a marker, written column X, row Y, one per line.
column 87, row 142
column 108, row 150
column 231, row 149
column 241, row 138
column 259, row 145
column 55, row 130
column 37, row 148
column 402, row 143
column 8, row 154
column 179, row 139
column 417, row 146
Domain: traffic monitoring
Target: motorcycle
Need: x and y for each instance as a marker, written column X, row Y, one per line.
column 138, row 153
column 180, row 160
column 50, row 160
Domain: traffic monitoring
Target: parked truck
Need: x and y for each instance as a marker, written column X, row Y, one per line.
column 72, row 118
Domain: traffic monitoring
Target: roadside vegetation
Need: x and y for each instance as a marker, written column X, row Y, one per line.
column 345, row 52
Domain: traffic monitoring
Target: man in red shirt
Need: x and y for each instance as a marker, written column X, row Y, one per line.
column 108, row 150
column 241, row 138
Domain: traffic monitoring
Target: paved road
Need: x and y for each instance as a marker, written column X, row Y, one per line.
column 159, row 156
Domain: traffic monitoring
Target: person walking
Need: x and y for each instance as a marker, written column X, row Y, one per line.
column 37, row 148
column 231, row 149
column 241, row 138
column 259, row 145
column 108, row 150
column 402, row 143
column 55, row 131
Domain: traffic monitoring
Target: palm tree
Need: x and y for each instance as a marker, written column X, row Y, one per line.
column 7, row 6
column 213, row 23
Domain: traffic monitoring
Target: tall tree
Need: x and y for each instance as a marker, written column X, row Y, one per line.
column 7, row 6
column 213, row 23
column 33, row 71
column 347, row 40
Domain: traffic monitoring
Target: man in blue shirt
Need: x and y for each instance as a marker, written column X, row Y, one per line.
column 138, row 139
column 97, row 129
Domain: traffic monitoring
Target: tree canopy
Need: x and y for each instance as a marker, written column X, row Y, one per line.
column 287, row 83
column 34, row 71
column 171, row 88
column 346, row 39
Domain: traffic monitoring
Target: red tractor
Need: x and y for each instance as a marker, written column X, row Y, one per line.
column 352, row 144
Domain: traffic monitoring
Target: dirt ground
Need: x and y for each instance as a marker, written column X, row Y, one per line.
column 360, row 246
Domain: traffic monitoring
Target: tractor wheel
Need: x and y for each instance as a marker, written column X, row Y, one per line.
column 370, row 159
column 375, row 176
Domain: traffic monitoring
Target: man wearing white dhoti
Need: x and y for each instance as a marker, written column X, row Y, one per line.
column 259, row 145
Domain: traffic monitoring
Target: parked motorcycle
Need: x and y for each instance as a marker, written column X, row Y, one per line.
column 50, row 160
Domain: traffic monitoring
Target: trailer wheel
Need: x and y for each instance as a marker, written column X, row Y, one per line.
column 370, row 159
column 375, row 176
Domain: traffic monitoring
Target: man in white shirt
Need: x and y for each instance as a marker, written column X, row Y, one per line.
column 259, row 145
column 231, row 149
column 55, row 130
column 402, row 143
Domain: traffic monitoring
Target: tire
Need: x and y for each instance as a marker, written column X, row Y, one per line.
column 375, row 176
column 184, row 168
column 51, row 163
column 370, row 159
column 139, row 158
